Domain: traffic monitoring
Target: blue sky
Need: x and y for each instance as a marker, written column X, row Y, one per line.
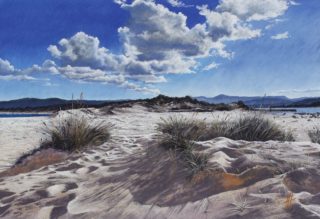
column 140, row 48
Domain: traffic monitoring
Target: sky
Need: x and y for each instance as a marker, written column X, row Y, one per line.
column 127, row 49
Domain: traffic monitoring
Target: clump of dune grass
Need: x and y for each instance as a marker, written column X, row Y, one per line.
column 250, row 128
column 257, row 128
column 178, row 132
column 218, row 129
column 75, row 132
column 196, row 162
column 315, row 135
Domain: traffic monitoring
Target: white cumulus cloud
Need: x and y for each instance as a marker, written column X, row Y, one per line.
column 9, row 72
column 254, row 10
column 83, row 50
column 227, row 26
column 6, row 67
column 156, row 42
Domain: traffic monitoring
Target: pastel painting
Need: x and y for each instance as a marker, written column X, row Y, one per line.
column 159, row 109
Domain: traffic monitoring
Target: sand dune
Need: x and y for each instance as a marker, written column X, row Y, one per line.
column 18, row 136
column 131, row 177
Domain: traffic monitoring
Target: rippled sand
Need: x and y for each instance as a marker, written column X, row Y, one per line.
column 131, row 177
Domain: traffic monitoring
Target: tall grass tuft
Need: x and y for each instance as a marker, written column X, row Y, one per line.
column 257, row 128
column 315, row 135
column 250, row 128
column 196, row 162
column 74, row 133
column 178, row 132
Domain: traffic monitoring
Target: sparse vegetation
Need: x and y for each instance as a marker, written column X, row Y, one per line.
column 250, row 128
column 218, row 129
column 196, row 161
column 258, row 128
column 315, row 135
column 75, row 132
column 179, row 132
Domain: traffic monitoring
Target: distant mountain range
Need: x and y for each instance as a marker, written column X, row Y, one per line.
column 26, row 104
column 31, row 103
column 265, row 101
column 159, row 103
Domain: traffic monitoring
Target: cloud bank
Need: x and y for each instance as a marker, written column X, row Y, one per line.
column 155, row 43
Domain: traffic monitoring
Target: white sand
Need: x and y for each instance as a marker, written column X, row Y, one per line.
column 96, row 196
column 18, row 136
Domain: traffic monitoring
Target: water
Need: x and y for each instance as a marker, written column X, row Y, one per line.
column 23, row 115
column 308, row 110
column 303, row 110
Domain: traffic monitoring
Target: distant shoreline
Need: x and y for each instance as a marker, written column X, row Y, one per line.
column 296, row 110
column 276, row 109
column 24, row 115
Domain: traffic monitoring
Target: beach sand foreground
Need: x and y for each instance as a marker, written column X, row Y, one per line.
column 131, row 177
